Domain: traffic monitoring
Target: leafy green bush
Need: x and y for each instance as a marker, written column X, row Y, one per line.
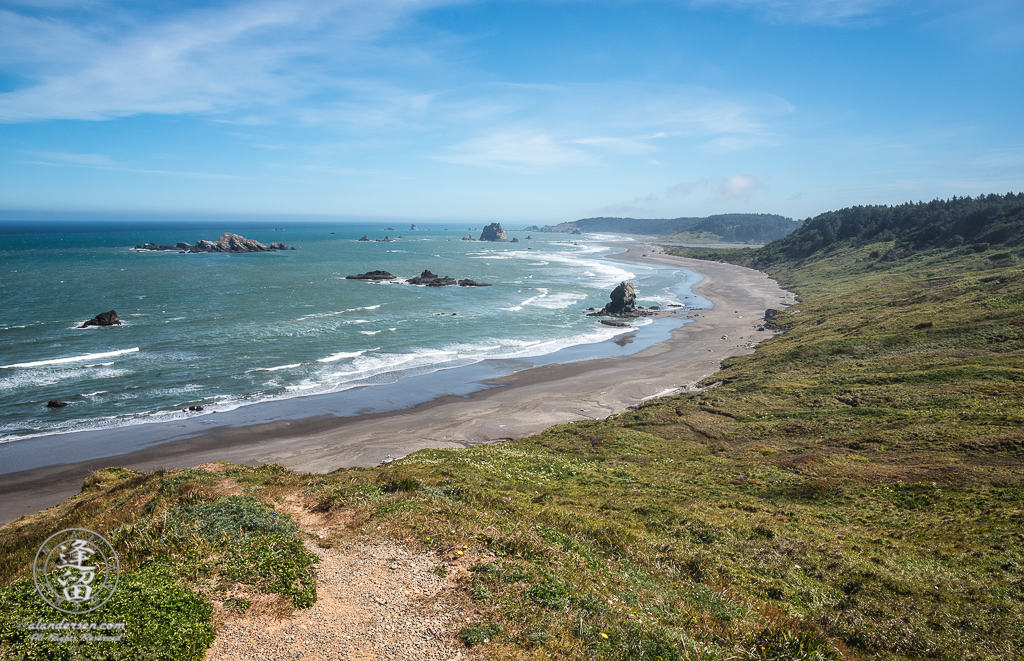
column 163, row 621
column 233, row 517
column 280, row 563
column 478, row 634
column 553, row 592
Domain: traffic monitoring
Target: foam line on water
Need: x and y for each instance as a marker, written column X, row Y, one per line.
column 71, row 359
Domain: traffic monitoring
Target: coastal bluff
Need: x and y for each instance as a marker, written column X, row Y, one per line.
column 228, row 242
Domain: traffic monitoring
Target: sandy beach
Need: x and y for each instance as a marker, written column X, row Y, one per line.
column 521, row 404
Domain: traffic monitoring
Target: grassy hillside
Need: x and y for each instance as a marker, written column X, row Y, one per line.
column 723, row 228
column 852, row 490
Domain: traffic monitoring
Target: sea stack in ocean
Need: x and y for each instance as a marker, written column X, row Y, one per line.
column 103, row 319
column 622, row 304
column 493, row 232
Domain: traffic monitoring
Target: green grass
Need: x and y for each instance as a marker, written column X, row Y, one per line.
column 181, row 546
column 853, row 489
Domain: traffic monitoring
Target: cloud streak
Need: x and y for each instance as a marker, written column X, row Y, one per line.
column 205, row 61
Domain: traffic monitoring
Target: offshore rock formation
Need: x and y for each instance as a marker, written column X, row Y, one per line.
column 365, row 238
column 227, row 242
column 427, row 278
column 493, row 232
column 103, row 319
column 430, row 280
column 372, row 275
column 622, row 304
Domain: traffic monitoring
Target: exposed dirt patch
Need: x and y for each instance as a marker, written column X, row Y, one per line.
column 376, row 600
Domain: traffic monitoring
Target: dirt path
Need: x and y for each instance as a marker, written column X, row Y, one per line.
column 376, row 600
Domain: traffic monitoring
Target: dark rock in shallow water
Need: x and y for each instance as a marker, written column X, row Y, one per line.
column 365, row 238
column 473, row 283
column 623, row 303
column 372, row 275
column 103, row 319
column 493, row 232
column 386, row 239
column 56, row 404
column 413, row 228
column 616, row 324
column 515, row 240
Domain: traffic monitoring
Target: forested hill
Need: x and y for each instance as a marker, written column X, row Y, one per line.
column 970, row 224
column 726, row 228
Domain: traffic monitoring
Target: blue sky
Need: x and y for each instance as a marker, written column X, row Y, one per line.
column 527, row 111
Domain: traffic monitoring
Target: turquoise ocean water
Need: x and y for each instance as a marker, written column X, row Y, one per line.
column 227, row 330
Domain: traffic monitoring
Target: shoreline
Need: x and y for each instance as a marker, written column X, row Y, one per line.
column 507, row 407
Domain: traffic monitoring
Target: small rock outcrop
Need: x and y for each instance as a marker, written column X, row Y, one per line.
column 365, row 238
column 622, row 304
column 56, row 404
column 515, row 240
column 386, row 239
column 372, row 275
column 103, row 319
column 413, row 228
column 426, row 278
column 430, row 280
column 493, row 232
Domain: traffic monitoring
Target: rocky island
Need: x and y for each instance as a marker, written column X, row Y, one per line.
column 372, row 275
column 493, row 232
column 103, row 319
column 227, row 242
column 426, row 278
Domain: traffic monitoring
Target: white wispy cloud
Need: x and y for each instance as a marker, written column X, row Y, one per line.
column 827, row 12
column 585, row 124
column 104, row 162
column 121, row 61
column 517, row 151
column 737, row 188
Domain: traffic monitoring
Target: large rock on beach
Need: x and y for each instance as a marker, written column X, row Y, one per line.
column 372, row 275
column 493, row 232
column 103, row 319
column 622, row 304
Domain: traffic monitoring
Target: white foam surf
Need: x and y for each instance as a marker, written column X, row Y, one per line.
column 70, row 359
